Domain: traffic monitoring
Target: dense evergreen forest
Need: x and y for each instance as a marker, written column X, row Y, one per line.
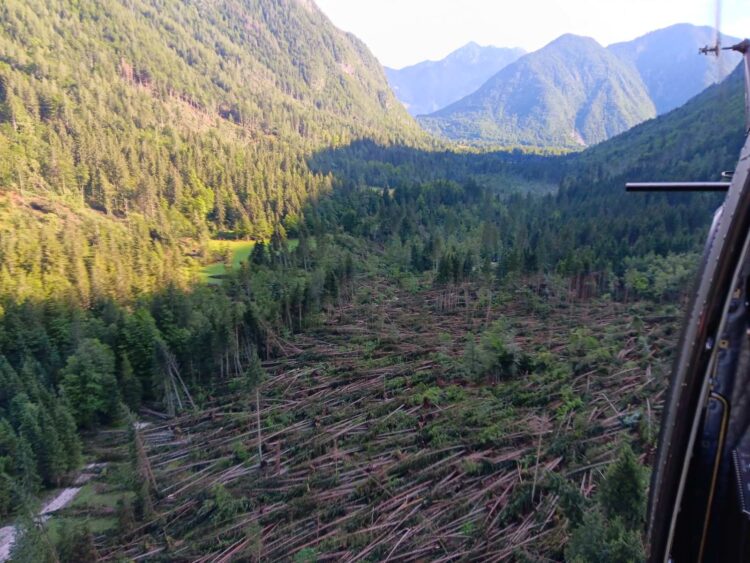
column 570, row 214
column 171, row 121
column 132, row 134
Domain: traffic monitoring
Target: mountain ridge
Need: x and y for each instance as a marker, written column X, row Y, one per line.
column 556, row 96
column 663, row 63
column 431, row 85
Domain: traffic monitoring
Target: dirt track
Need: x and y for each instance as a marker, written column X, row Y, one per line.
column 8, row 534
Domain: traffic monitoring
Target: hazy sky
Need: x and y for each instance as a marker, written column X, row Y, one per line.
column 403, row 32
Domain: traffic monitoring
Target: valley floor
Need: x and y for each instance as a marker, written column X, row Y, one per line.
column 378, row 443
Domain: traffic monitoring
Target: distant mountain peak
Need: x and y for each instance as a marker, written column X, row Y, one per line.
column 570, row 93
column 430, row 85
column 573, row 91
column 571, row 39
column 472, row 45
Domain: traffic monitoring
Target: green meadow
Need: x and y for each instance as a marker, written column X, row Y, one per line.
column 240, row 250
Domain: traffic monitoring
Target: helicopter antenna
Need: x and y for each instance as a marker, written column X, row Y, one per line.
column 744, row 48
column 716, row 48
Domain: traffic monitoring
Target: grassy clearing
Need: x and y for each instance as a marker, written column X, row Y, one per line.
column 95, row 505
column 96, row 495
column 240, row 250
column 97, row 525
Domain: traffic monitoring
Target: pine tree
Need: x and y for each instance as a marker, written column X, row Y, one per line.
column 6, row 489
column 25, row 467
column 611, row 532
column 10, row 384
column 77, row 545
column 125, row 517
column 140, row 337
column 468, row 266
column 130, row 386
column 8, row 440
column 623, row 491
column 258, row 255
column 599, row 540
column 89, row 384
column 444, row 274
column 66, row 427
column 51, row 455
column 331, row 285
column 33, row 543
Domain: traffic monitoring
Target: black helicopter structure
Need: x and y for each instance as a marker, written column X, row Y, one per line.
column 699, row 503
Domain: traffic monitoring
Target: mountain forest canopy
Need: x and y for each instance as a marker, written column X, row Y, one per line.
column 421, row 350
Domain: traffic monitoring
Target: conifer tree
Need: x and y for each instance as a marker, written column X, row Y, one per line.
column 6, row 489
column 130, row 386
column 67, row 432
column 611, row 532
column 76, row 544
column 258, row 255
column 623, row 491
column 254, row 377
column 25, row 467
column 32, row 541
column 51, row 456
column 89, row 383
column 140, row 339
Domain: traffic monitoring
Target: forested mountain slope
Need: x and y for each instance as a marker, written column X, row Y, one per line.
column 431, row 85
column 186, row 118
column 516, row 106
column 668, row 62
column 603, row 227
column 590, row 225
column 694, row 142
column 571, row 93
column 130, row 132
